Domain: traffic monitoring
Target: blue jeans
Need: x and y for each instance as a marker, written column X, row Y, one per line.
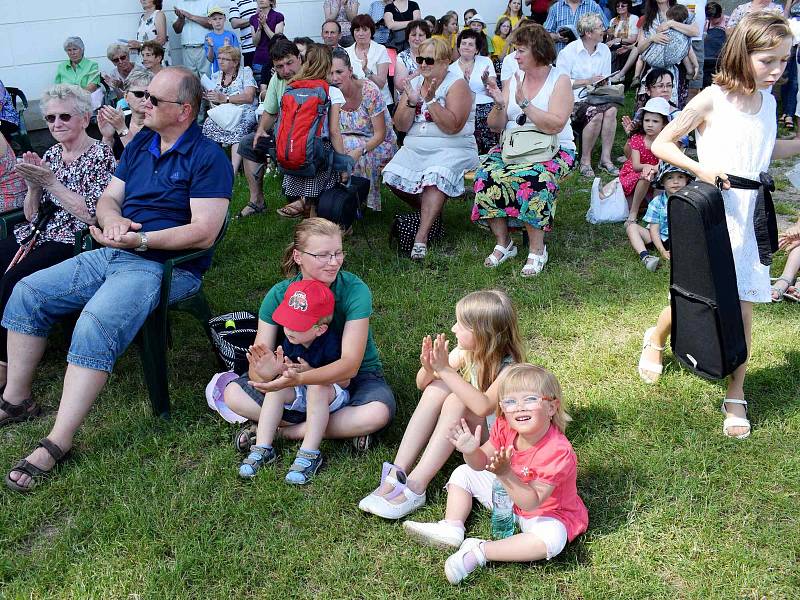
column 789, row 89
column 115, row 291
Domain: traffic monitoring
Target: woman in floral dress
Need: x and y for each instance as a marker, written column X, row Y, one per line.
column 366, row 126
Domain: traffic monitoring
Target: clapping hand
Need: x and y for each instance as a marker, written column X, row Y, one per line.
column 519, row 96
column 35, row 171
column 209, row 42
column 463, row 439
column 412, row 94
column 110, row 120
column 485, row 76
column 649, row 172
column 627, row 124
column 440, row 357
column 500, row 463
column 431, row 90
column 425, row 356
column 264, row 362
column 494, row 92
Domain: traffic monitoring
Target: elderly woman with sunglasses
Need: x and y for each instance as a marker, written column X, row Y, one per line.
column 120, row 56
column 524, row 194
column 63, row 188
column 437, row 110
column 117, row 128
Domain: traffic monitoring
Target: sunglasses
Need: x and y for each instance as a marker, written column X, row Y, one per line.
column 139, row 94
column 426, row 60
column 156, row 101
column 118, row 59
column 63, row 117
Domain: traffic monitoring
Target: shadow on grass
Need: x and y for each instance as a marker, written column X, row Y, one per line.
column 774, row 390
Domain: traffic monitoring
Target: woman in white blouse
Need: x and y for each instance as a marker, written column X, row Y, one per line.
column 369, row 59
column 587, row 61
column 477, row 70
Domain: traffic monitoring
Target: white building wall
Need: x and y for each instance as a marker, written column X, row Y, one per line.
column 32, row 32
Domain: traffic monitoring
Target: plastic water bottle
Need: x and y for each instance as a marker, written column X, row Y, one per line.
column 502, row 512
column 794, row 176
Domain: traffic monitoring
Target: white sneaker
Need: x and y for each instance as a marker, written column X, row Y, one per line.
column 651, row 263
column 454, row 568
column 440, row 535
column 382, row 507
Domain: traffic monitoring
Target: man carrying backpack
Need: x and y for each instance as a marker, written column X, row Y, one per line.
column 253, row 148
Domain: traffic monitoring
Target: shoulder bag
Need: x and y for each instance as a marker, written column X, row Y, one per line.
column 526, row 144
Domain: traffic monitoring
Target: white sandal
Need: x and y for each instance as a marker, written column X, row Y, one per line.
column 646, row 365
column 734, row 421
column 418, row 251
column 535, row 267
column 506, row 252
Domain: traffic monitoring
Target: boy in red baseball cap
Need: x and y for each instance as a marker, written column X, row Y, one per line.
column 304, row 314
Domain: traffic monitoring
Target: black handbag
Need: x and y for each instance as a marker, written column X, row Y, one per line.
column 343, row 204
column 404, row 230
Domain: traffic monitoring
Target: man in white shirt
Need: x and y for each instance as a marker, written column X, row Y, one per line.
column 192, row 24
column 239, row 15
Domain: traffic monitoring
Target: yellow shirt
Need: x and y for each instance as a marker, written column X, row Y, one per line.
column 499, row 46
column 443, row 37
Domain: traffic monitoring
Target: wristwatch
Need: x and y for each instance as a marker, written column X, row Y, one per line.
column 227, row 99
column 524, row 104
column 123, row 132
column 410, row 104
column 142, row 247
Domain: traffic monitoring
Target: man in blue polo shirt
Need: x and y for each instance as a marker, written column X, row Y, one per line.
column 170, row 194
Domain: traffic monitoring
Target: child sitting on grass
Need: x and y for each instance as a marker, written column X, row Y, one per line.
column 671, row 179
column 529, row 454
column 638, row 171
column 304, row 314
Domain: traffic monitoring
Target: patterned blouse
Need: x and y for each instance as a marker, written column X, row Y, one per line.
column 12, row 186
column 7, row 111
column 88, row 175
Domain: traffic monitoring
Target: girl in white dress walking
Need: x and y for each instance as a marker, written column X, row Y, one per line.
column 735, row 124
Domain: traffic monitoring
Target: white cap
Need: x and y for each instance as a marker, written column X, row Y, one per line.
column 658, row 105
column 476, row 18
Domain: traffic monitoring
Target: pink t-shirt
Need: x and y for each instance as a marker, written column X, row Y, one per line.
column 551, row 461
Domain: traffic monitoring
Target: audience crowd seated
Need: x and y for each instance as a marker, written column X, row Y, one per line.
column 159, row 184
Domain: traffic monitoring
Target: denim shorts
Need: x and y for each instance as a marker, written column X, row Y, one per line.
column 114, row 290
column 364, row 388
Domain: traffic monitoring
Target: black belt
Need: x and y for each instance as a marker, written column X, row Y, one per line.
column 764, row 221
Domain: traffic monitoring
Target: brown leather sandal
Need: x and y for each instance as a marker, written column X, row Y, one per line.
column 32, row 471
column 293, row 210
column 16, row 413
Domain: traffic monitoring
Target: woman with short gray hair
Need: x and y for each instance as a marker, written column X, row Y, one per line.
column 120, row 56
column 63, row 188
column 78, row 70
column 587, row 61
column 118, row 129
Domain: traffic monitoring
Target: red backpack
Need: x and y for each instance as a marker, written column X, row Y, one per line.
column 302, row 127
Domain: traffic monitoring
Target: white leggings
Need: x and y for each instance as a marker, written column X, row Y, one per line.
column 479, row 484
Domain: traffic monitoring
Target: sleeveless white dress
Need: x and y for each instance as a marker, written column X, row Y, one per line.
column 431, row 157
column 741, row 144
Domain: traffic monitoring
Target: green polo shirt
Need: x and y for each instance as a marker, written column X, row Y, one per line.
column 86, row 72
column 272, row 99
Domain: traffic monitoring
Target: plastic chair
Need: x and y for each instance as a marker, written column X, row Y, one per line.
column 154, row 337
column 21, row 136
column 8, row 220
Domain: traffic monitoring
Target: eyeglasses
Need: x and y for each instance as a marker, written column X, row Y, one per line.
column 527, row 403
column 155, row 101
column 119, row 59
column 138, row 94
column 63, row 117
column 337, row 256
column 661, row 86
column 426, row 59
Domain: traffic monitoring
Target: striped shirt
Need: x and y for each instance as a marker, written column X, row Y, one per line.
column 244, row 9
column 561, row 15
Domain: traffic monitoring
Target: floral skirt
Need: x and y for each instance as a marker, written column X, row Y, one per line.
column 521, row 193
column 371, row 165
column 486, row 138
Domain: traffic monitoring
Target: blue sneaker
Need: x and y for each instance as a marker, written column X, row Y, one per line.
column 259, row 456
column 305, row 466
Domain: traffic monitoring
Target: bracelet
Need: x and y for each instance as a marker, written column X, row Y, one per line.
column 499, row 106
column 410, row 105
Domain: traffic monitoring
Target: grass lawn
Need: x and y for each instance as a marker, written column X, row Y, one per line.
column 155, row 509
